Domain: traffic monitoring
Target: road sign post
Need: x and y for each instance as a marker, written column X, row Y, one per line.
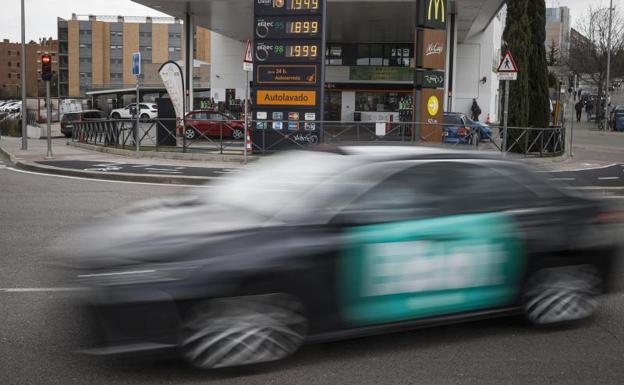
column 247, row 67
column 507, row 71
column 136, row 71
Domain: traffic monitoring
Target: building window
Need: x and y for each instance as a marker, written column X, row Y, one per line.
column 10, row 75
column 171, row 49
column 377, row 101
column 178, row 49
column 19, row 76
column 9, row 64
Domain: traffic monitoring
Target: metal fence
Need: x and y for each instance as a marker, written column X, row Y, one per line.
column 267, row 137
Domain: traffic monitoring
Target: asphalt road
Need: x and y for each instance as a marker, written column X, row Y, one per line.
column 38, row 327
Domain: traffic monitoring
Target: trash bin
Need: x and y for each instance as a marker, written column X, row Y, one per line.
column 619, row 122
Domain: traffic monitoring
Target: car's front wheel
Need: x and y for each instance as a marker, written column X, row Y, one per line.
column 145, row 118
column 556, row 295
column 116, row 115
column 242, row 330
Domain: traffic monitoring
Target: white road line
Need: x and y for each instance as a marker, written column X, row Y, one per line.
column 582, row 169
column 609, row 177
column 107, row 180
column 39, row 289
column 561, row 178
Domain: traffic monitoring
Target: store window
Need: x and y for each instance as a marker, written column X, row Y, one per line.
column 377, row 101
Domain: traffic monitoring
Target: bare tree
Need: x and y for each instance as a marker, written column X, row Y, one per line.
column 553, row 54
column 589, row 46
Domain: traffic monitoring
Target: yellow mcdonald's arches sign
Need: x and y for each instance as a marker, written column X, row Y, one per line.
column 436, row 11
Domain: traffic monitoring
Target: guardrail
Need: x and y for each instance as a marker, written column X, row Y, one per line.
column 227, row 136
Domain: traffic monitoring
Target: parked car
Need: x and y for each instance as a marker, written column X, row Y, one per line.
column 456, row 129
column 315, row 246
column 68, row 119
column 212, row 124
column 480, row 129
column 612, row 115
column 12, row 107
column 148, row 112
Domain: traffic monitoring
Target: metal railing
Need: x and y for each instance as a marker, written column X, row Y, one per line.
column 269, row 136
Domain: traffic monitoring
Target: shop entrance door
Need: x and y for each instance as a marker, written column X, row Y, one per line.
column 333, row 105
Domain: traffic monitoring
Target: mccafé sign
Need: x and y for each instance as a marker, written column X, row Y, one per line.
column 432, row 13
column 431, row 46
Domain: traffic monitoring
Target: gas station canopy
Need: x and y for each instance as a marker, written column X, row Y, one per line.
column 348, row 20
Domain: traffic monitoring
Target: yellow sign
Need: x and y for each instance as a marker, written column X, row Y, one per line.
column 285, row 98
column 437, row 8
column 433, row 105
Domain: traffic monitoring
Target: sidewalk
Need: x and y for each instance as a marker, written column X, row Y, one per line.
column 74, row 161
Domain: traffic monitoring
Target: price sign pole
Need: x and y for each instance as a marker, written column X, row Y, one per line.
column 507, row 70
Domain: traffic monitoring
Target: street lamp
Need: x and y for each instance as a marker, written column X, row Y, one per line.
column 23, row 60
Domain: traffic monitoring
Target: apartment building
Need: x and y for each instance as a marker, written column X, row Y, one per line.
column 11, row 67
column 95, row 52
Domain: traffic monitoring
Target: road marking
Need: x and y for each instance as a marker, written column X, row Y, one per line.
column 39, row 289
column 609, row 177
column 583, row 169
column 561, row 178
column 108, row 180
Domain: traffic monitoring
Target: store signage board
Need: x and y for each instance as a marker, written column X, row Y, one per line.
column 430, row 79
column 381, row 73
column 136, row 63
column 291, row 74
column 287, row 27
column 300, row 98
column 431, row 44
column 432, row 14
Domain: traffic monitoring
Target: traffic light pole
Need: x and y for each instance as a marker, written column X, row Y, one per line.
column 48, row 119
column 24, row 109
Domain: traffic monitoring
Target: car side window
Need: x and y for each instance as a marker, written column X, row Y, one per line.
column 199, row 116
column 216, row 116
column 471, row 188
column 406, row 195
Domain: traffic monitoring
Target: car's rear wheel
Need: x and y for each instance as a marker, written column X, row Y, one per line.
column 190, row 133
column 242, row 330
column 237, row 133
column 145, row 117
column 556, row 295
column 115, row 115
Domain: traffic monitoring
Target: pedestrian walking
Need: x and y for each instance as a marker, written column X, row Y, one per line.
column 475, row 110
column 579, row 110
column 589, row 107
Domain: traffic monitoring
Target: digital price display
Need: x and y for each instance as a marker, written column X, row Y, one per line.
column 288, row 7
column 272, row 27
column 268, row 51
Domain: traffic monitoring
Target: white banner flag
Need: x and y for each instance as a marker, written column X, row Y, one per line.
column 171, row 75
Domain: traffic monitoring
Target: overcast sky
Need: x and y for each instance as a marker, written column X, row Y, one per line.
column 41, row 14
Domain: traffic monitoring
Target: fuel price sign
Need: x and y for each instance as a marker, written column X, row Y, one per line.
column 281, row 51
column 288, row 7
column 276, row 27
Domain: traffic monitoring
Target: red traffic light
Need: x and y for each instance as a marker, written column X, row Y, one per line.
column 46, row 67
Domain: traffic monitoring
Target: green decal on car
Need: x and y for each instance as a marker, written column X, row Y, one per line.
column 408, row 270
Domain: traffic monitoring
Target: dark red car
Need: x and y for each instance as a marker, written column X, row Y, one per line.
column 212, row 124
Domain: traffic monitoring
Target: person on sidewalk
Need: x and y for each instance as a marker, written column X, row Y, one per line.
column 579, row 110
column 589, row 107
column 475, row 110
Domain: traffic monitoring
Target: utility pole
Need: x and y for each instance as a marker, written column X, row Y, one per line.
column 606, row 106
column 24, row 110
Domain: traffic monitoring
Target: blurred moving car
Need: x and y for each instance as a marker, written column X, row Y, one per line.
column 456, row 129
column 316, row 246
column 212, row 124
column 12, row 107
column 69, row 118
column 148, row 112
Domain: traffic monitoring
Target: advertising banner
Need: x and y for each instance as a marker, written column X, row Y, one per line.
column 431, row 115
column 431, row 46
column 171, row 75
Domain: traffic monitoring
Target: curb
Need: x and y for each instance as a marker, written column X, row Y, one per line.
column 163, row 155
column 162, row 179
column 8, row 155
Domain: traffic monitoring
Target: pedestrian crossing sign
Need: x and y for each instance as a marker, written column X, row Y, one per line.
column 507, row 64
